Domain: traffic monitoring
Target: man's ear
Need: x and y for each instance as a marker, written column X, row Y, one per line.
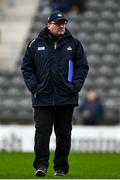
column 48, row 25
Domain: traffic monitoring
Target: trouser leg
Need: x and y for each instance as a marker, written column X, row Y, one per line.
column 62, row 128
column 43, row 118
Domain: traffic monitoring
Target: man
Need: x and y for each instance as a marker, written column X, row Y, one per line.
column 54, row 69
column 92, row 109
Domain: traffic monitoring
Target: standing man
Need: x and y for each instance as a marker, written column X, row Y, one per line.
column 54, row 69
column 92, row 109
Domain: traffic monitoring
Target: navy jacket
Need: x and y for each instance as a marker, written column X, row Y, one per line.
column 45, row 70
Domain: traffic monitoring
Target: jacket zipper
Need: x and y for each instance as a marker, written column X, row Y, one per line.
column 55, row 46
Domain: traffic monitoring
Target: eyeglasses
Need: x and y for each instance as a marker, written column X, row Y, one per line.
column 59, row 23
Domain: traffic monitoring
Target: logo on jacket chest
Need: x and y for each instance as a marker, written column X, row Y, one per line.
column 42, row 48
column 69, row 48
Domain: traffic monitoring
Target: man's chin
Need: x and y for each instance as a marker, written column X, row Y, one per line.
column 61, row 33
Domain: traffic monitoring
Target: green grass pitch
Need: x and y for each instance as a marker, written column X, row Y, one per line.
column 82, row 166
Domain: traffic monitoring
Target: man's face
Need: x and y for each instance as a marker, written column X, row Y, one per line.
column 57, row 28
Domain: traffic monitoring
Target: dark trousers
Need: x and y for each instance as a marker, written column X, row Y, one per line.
column 45, row 118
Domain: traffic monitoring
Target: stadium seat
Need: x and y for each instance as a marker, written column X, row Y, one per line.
column 107, row 15
column 100, row 37
column 104, row 26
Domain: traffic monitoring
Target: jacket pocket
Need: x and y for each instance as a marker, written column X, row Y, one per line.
column 71, row 87
column 65, row 88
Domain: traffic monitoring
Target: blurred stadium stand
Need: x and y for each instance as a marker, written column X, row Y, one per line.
column 99, row 30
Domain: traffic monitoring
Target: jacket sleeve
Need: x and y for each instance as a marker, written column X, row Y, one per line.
column 28, row 68
column 80, row 67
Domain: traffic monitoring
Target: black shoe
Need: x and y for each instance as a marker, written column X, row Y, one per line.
column 59, row 172
column 41, row 171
